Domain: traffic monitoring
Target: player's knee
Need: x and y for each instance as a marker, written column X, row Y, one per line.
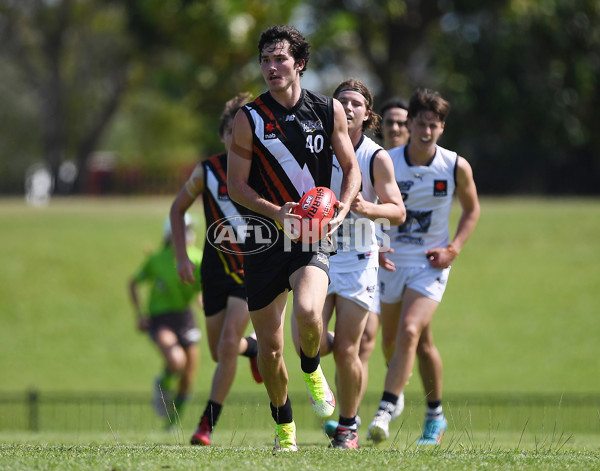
column 271, row 356
column 229, row 346
column 410, row 334
column 345, row 353
column 177, row 360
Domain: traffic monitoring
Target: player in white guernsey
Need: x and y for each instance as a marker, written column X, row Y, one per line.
column 393, row 132
column 428, row 176
column 353, row 270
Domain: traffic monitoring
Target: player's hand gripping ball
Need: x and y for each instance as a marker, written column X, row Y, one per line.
column 317, row 208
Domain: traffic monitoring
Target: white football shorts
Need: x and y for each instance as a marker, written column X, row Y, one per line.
column 430, row 282
column 359, row 286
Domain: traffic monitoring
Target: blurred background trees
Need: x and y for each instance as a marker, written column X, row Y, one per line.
column 137, row 86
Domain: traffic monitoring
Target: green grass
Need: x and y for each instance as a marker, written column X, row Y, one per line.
column 521, row 302
column 520, row 316
column 140, row 453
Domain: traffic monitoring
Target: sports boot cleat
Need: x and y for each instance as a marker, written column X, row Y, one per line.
column 321, row 395
column 254, row 369
column 202, row 434
column 433, row 431
column 285, row 437
column 254, row 364
column 345, row 439
column 330, row 427
column 379, row 430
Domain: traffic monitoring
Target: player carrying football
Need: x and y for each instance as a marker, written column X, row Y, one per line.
column 282, row 148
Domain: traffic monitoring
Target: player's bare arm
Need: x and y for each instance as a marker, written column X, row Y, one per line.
column 184, row 199
column 239, row 160
column 391, row 206
column 344, row 151
column 466, row 192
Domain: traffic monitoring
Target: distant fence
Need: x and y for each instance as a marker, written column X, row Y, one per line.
column 52, row 411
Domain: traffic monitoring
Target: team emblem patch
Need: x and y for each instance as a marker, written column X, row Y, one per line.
column 312, row 126
column 440, row 188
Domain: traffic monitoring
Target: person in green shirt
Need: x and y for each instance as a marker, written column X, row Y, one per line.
column 169, row 321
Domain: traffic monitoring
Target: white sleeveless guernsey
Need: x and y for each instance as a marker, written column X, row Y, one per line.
column 427, row 191
column 357, row 246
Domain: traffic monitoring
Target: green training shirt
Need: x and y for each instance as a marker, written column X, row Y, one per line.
column 168, row 293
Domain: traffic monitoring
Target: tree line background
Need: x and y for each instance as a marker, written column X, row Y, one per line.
column 139, row 85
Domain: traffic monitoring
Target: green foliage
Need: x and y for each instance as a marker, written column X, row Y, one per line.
column 522, row 77
column 152, row 130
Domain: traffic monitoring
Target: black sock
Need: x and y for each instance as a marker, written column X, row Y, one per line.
column 388, row 402
column 349, row 423
column 252, row 349
column 282, row 414
column 389, row 397
column 434, row 404
column 309, row 365
column 212, row 413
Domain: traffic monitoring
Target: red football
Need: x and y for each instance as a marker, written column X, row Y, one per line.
column 317, row 207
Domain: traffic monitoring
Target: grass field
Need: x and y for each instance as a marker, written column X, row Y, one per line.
column 520, row 317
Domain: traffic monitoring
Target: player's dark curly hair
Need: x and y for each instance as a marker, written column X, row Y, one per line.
column 374, row 120
column 299, row 46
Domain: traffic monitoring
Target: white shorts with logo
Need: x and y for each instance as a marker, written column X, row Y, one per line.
column 430, row 282
column 359, row 286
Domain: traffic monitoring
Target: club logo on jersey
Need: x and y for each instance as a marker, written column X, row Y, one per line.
column 440, row 188
column 270, row 131
column 404, row 186
column 312, row 126
column 416, row 222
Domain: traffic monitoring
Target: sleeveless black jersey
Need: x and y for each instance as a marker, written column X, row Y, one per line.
column 219, row 212
column 292, row 147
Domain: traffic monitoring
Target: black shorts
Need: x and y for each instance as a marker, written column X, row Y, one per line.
column 182, row 324
column 268, row 273
column 216, row 288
